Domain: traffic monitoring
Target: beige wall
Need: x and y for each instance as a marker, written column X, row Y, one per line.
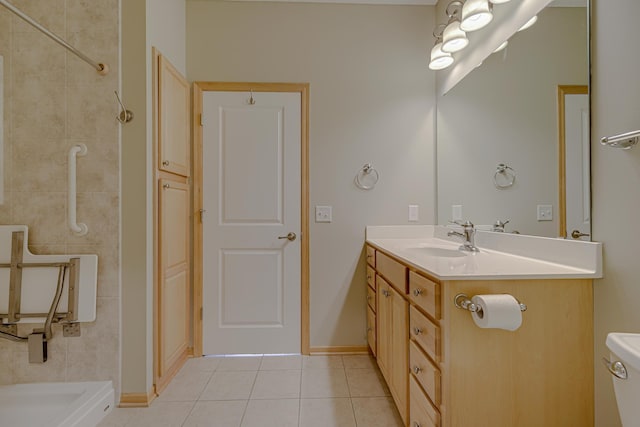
column 146, row 24
column 615, row 183
column 505, row 111
column 52, row 101
column 371, row 100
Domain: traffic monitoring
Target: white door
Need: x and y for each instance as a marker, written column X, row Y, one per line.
column 251, row 197
column 577, row 164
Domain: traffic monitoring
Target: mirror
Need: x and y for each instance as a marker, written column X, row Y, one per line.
column 499, row 155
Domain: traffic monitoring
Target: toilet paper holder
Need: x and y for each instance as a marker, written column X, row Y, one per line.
column 464, row 302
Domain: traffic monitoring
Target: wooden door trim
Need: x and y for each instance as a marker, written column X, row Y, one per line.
column 198, row 89
column 562, row 154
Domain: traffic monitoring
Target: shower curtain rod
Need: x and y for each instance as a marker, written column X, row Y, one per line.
column 102, row 69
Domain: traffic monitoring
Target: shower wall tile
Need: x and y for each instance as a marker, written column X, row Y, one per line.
column 83, row 14
column 100, row 212
column 99, row 167
column 49, row 13
column 53, row 100
column 91, row 111
column 38, row 110
column 35, row 62
column 44, row 213
column 39, row 165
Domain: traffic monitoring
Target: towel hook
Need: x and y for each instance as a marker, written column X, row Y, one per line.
column 125, row 115
column 251, row 100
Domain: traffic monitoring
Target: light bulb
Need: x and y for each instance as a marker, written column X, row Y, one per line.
column 453, row 38
column 529, row 23
column 439, row 59
column 476, row 14
column 502, row 46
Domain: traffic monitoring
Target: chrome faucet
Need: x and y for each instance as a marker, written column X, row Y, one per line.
column 468, row 234
column 499, row 226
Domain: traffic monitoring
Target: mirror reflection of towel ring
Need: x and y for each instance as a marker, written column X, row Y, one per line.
column 504, row 177
column 367, row 177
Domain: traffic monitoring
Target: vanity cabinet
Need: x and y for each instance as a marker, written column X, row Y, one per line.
column 393, row 326
column 444, row 371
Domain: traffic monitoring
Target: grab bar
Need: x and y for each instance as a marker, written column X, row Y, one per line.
column 78, row 229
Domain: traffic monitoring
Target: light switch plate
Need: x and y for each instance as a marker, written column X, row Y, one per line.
column 413, row 213
column 324, row 214
column 545, row 213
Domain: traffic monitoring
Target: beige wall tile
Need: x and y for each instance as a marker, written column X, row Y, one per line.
column 101, row 334
column 100, row 212
column 39, row 165
column 108, row 285
column 97, row 171
column 38, row 111
column 92, row 109
column 35, row 61
column 99, row 45
column 99, row 15
column 44, row 214
column 49, row 13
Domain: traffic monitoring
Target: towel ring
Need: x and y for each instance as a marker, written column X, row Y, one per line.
column 363, row 176
column 509, row 176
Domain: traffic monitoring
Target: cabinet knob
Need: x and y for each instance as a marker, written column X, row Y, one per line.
column 416, row 370
column 386, row 294
column 368, row 277
column 165, row 163
column 369, row 256
column 416, row 424
column 369, row 329
column 166, row 186
column 417, row 331
column 417, row 292
column 368, row 297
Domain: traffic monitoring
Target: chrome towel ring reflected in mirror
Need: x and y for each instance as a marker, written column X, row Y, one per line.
column 504, row 177
column 367, row 177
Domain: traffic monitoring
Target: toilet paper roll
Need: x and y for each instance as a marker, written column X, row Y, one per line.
column 498, row 311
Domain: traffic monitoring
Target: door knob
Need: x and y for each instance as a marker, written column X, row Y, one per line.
column 290, row 236
column 576, row 234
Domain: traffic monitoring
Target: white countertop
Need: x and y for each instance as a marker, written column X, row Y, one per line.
column 501, row 256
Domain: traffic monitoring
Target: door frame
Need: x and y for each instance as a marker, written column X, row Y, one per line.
column 564, row 90
column 303, row 90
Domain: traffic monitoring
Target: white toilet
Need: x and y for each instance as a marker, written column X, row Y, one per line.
column 625, row 369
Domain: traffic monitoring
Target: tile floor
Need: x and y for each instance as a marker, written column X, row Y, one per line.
column 269, row 391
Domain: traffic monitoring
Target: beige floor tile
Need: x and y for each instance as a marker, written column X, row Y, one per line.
column 234, row 385
column 216, row 414
column 207, row 363
column 277, row 385
column 276, row 363
column 326, row 413
column 272, row 413
column 359, row 362
column 187, row 385
column 246, row 363
column 162, row 414
column 322, row 362
column 324, row 383
column 376, row 412
column 119, row 417
column 366, row 383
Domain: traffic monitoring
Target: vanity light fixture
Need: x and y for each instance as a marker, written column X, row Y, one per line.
column 500, row 1
column 439, row 59
column 529, row 23
column 476, row 14
column 502, row 46
column 454, row 38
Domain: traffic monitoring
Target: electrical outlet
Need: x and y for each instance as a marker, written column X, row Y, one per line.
column 323, row 214
column 545, row 213
column 413, row 213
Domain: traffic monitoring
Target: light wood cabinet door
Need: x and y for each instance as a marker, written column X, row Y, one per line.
column 384, row 327
column 399, row 343
column 173, row 120
column 174, row 290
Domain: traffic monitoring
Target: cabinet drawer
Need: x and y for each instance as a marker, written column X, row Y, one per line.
column 425, row 333
column 425, row 294
column 371, row 298
column 371, row 329
column 421, row 411
column 371, row 256
column 393, row 271
column 371, row 277
column 425, row 372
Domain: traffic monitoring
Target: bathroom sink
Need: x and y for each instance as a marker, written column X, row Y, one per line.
column 437, row 252
column 626, row 347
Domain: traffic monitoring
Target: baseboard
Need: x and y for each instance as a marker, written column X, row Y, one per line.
column 339, row 350
column 137, row 400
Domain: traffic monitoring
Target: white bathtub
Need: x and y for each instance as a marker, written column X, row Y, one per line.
column 82, row 404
